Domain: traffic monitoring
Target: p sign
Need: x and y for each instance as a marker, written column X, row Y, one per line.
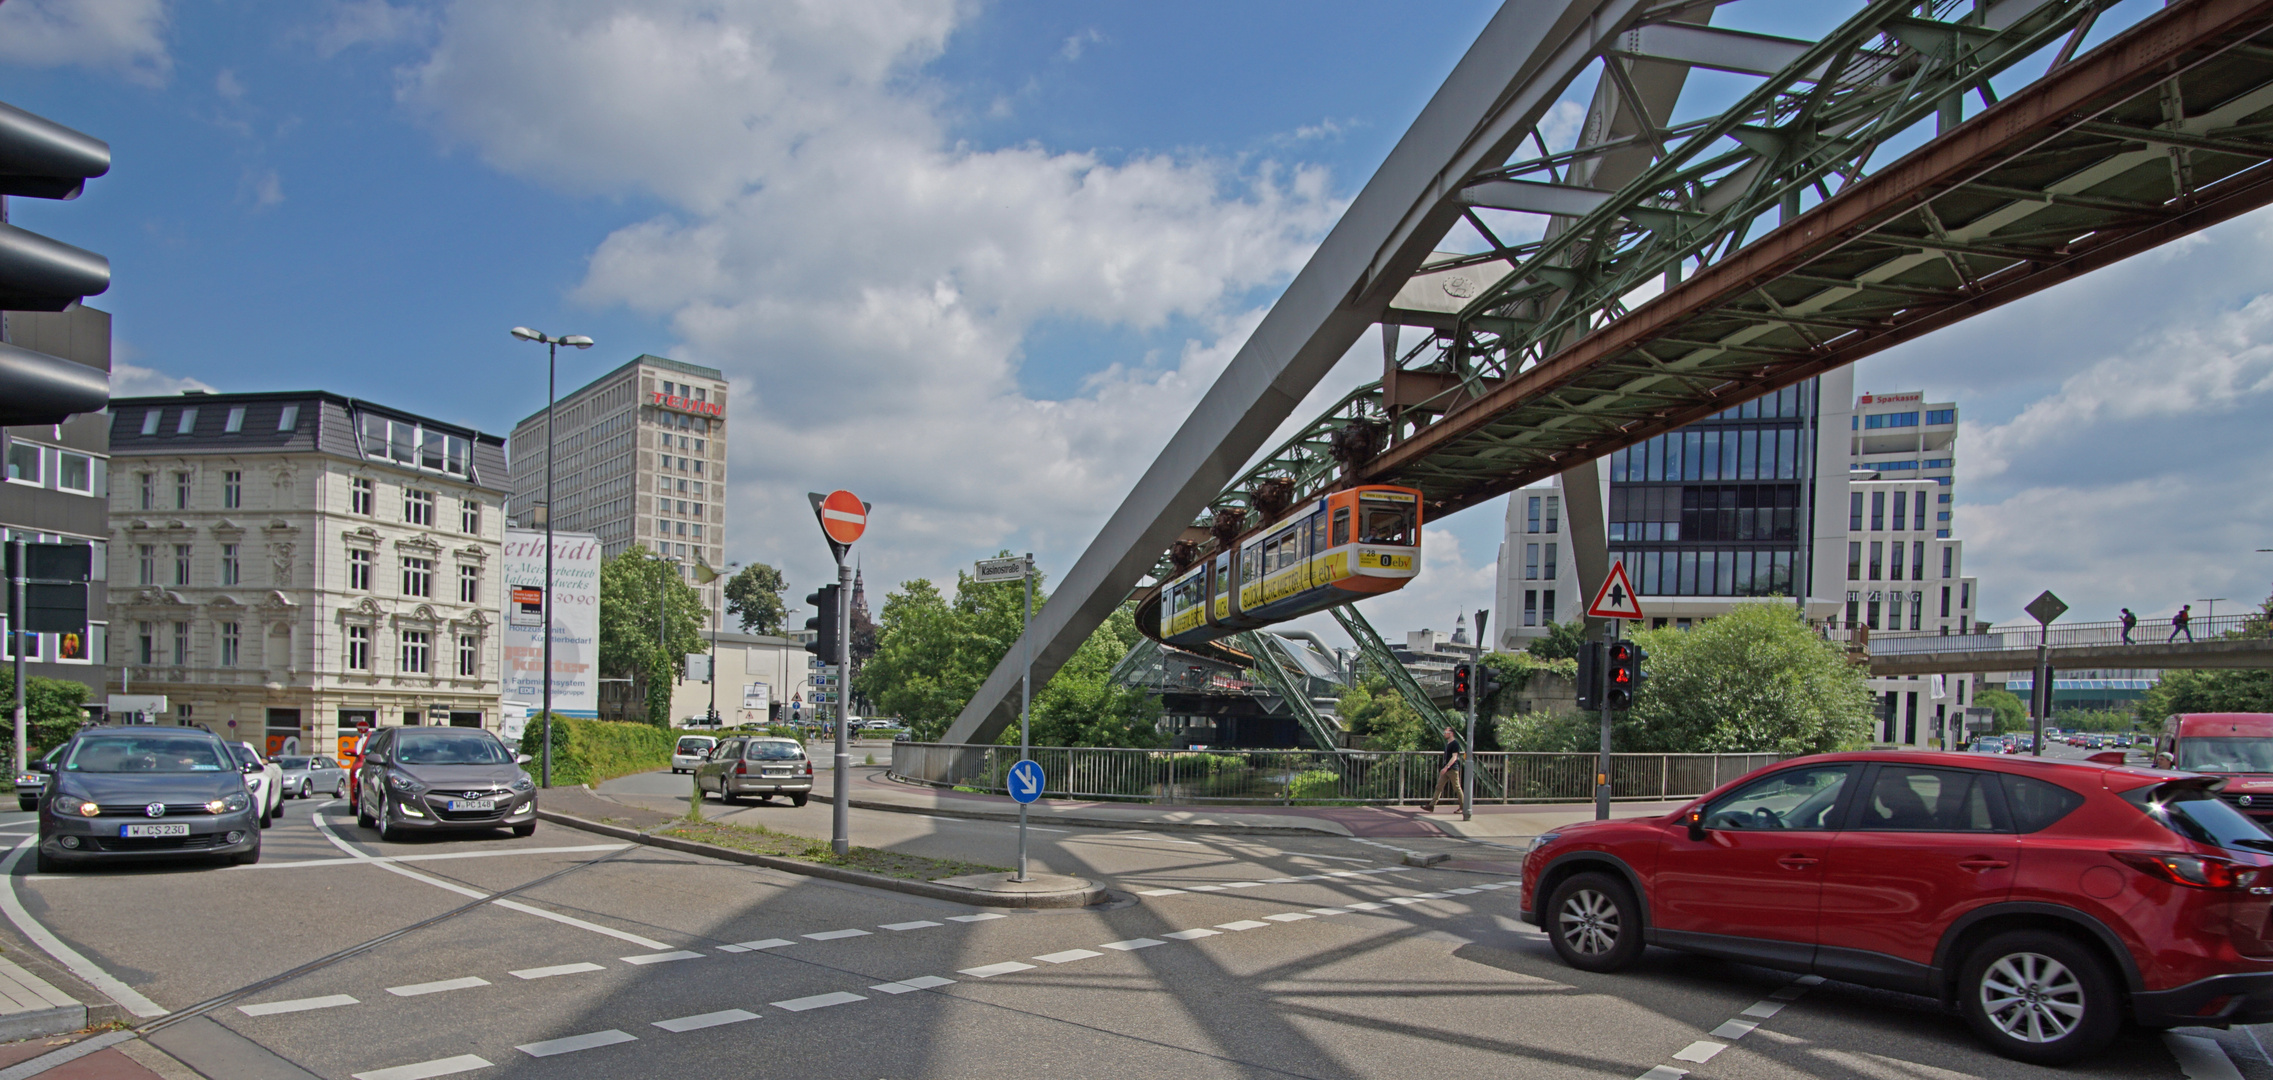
column 1026, row 781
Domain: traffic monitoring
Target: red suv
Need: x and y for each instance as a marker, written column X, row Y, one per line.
column 2043, row 899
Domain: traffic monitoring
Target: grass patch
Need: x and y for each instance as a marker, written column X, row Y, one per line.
column 764, row 841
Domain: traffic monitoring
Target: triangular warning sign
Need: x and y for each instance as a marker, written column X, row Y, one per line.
column 1616, row 599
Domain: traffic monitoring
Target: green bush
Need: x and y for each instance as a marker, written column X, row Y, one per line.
column 1315, row 785
column 589, row 751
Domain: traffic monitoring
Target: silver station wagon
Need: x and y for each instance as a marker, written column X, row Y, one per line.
column 764, row 767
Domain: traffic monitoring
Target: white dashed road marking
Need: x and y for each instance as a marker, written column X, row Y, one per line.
column 573, row 1043
column 1133, row 944
column 1188, row 935
column 909, row 986
column 916, row 925
column 981, row 917
column 706, row 1020
column 991, row 970
column 427, row 1070
column 753, row 946
column 271, row 1008
column 832, row 935
column 415, row 989
column 818, row 1001
column 1699, row 1052
column 1243, row 924
column 1068, row 956
column 662, row 957
column 556, row 969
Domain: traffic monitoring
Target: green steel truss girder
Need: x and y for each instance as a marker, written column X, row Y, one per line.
column 1379, row 657
column 1787, row 235
column 1267, row 666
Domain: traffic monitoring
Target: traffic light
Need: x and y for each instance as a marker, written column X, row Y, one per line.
column 1590, row 675
column 1461, row 691
column 1626, row 675
column 1487, row 685
column 41, row 159
column 824, row 625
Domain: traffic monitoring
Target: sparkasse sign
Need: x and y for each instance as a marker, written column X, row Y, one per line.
column 688, row 405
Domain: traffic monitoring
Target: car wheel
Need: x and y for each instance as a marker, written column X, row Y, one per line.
column 726, row 796
column 27, row 804
column 797, row 800
column 526, row 828
column 1594, row 922
column 307, row 790
column 267, row 816
column 2038, row 997
column 363, row 817
column 387, row 829
column 338, row 789
column 247, row 858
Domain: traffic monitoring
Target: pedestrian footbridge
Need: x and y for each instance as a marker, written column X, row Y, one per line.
column 2230, row 641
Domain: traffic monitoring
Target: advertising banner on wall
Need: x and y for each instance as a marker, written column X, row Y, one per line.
column 575, row 606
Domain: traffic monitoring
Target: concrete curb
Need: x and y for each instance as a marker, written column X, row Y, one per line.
column 1090, row 893
column 1090, row 822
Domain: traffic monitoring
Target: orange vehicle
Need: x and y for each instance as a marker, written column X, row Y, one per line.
column 1328, row 551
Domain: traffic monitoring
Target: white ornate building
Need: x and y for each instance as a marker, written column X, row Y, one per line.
column 284, row 566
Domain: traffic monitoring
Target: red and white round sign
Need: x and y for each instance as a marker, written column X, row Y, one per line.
column 843, row 517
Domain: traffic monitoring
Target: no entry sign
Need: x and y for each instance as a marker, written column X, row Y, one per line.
column 843, row 516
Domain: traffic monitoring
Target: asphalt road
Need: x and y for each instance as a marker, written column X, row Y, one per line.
column 1232, row 956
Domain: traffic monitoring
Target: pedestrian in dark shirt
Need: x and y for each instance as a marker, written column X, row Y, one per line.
column 2129, row 621
column 1447, row 772
column 2179, row 624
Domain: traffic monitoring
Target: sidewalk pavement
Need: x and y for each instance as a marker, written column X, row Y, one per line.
column 874, row 789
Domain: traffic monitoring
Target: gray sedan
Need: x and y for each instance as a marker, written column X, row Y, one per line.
column 764, row 767
column 304, row 776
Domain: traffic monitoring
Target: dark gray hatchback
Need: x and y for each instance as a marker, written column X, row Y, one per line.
column 136, row 792
column 427, row 779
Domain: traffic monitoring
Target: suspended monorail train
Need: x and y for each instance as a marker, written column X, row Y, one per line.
column 1345, row 546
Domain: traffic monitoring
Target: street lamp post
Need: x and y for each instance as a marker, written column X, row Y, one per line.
column 552, row 368
column 714, row 608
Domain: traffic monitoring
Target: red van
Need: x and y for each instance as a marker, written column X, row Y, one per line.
column 2238, row 746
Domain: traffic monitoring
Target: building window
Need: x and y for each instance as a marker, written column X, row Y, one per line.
column 1901, row 507
column 363, row 496
column 469, row 655
column 1530, row 607
column 1940, row 515
column 1878, row 511
column 415, row 644
column 469, row 517
column 1941, row 416
column 418, row 577
column 1890, row 420
column 1531, row 515
column 231, row 569
column 150, row 421
column 149, row 556
column 229, row 643
column 1877, row 552
column 1917, row 611
column 181, row 644
column 1547, row 574
column 1940, row 463
column 1855, row 512
column 1530, row 562
column 662, row 506
column 289, row 419
column 1965, row 596
column 1921, row 503
column 181, row 564
column 236, row 420
column 74, row 472
column 146, row 640
column 1941, row 534
column 1547, row 606
column 698, row 468
column 1897, row 545
column 1854, row 560
column 181, row 491
column 187, row 423
column 1948, row 552
column 1554, row 513
column 1854, row 608
column 1917, row 560
column 418, row 506
column 1894, row 611
column 232, row 490
column 359, row 648
column 359, row 569
column 24, row 462
column 149, row 491
column 1870, row 613
column 469, row 585
column 1945, row 601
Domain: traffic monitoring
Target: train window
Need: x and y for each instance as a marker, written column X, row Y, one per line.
column 1386, row 524
column 1251, row 562
column 1317, row 533
column 1341, row 526
column 1223, row 576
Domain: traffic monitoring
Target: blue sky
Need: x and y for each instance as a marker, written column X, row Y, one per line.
column 973, row 261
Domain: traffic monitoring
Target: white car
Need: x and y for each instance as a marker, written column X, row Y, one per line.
column 692, row 750
column 264, row 778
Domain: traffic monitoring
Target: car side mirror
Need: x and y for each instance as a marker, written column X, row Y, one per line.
column 40, row 765
column 522, row 759
column 1695, row 819
column 251, row 767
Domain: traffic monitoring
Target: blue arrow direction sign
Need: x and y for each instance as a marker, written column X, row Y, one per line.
column 1026, row 781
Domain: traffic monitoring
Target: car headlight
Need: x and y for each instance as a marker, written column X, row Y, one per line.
column 73, row 805
column 30, row 779
column 523, row 783
column 403, row 783
column 1542, row 840
column 228, row 804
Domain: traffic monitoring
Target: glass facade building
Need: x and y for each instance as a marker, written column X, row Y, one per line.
column 1721, row 507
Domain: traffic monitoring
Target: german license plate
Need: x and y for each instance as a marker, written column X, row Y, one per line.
column 777, row 772
column 174, row 829
column 473, row 804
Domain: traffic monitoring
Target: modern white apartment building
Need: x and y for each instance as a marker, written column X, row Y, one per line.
column 1742, row 506
column 639, row 458
column 288, row 566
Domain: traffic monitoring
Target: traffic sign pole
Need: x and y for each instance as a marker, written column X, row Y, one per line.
column 843, row 519
column 1025, row 698
column 1614, row 601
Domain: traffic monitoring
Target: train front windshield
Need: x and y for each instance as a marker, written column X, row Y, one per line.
column 1385, row 523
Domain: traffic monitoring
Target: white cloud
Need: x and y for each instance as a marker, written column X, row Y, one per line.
column 263, row 187
column 370, row 22
column 129, row 380
column 866, row 280
column 1073, row 47
column 126, row 36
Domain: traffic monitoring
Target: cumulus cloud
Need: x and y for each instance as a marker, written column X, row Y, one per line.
column 369, row 22
column 125, row 36
column 865, row 279
column 129, row 380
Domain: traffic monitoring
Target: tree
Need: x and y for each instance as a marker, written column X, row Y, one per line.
column 1561, row 643
column 2206, row 691
column 2011, row 714
column 54, row 709
column 1380, row 718
column 650, row 619
column 1755, row 680
column 1082, row 706
column 754, row 596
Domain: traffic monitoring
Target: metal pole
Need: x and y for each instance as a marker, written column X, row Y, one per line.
column 713, row 717
column 1602, row 694
column 1025, row 699
column 840, row 822
column 552, row 355
column 16, row 638
column 2041, row 699
column 1468, row 762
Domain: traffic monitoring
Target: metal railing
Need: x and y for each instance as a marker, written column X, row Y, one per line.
column 2249, row 624
column 1288, row 777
